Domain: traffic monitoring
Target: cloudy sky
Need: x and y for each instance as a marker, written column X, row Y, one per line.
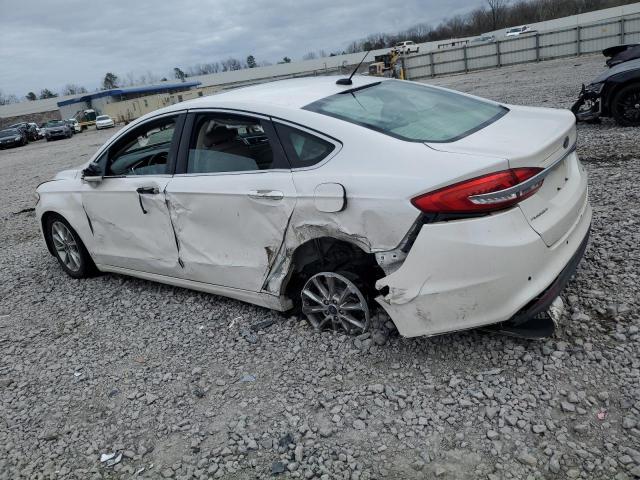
column 49, row 43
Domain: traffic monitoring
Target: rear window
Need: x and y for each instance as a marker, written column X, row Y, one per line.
column 411, row 111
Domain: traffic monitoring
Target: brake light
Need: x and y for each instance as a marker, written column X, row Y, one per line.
column 488, row 193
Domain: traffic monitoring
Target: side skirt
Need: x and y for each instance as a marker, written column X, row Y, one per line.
column 257, row 298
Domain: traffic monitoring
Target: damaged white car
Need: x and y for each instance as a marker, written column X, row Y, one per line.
column 448, row 211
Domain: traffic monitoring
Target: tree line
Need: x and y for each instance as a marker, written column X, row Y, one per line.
column 494, row 15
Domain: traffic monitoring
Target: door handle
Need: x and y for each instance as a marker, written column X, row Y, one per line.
column 145, row 191
column 266, row 194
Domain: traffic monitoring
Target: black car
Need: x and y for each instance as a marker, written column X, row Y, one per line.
column 616, row 92
column 30, row 130
column 12, row 137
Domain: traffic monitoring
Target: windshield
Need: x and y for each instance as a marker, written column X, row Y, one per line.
column 411, row 111
column 9, row 133
column 103, row 117
column 54, row 123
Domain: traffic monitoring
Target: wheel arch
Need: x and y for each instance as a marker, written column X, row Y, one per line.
column 327, row 253
column 615, row 84
column 44, row 218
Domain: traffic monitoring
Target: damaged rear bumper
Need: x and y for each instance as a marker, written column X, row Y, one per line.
column 472, row 273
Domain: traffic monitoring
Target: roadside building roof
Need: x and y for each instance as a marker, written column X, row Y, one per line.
column 115, row 92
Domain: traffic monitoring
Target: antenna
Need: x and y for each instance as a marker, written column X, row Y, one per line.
column 347, row 81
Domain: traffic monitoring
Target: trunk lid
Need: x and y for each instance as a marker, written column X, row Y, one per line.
column 536, row 137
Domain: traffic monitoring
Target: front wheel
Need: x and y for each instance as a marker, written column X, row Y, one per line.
column 69, row 249
column 626, row 106
column 333, row 300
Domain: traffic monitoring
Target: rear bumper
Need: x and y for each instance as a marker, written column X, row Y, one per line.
column 542, row 302
column 471, row 273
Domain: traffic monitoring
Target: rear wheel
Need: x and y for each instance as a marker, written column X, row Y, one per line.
column 69, row 249
column 334, row 300
column 626, row 106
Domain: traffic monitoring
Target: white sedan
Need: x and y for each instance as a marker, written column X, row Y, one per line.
column 104, row 121
column 517, row 31
column 447, row 211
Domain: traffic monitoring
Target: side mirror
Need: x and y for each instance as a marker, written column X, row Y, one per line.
column 92, row 174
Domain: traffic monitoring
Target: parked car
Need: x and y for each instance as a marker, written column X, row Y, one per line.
column 517, row 31
column 57, row 129
column 12, row 137
column 34, row 127
column 29, row 129
column 447, row 210
column 616, row 91
column 104, row 121
column 75, row 125
column 407, row 47
column 484, row 39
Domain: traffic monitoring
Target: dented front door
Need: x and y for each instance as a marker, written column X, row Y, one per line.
column 230, row 226
column 131, row 224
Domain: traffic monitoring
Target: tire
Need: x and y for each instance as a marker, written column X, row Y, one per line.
column 68, row 248
column 625, row 106
column 337, row 301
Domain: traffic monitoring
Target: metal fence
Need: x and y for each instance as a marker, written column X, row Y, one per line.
column 532, row 47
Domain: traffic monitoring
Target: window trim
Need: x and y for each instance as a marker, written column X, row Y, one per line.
column 336, row 143
column 102, row 155
column 182, row 159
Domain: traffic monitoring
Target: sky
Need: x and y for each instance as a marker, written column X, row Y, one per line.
column 50, row 43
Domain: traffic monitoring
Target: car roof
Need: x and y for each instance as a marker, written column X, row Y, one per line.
column 293, row 93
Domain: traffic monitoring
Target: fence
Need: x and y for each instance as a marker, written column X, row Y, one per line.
column 532, row 47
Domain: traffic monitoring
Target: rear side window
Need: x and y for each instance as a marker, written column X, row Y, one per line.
column 410, row 111
column 227, row 143
column 303, row 149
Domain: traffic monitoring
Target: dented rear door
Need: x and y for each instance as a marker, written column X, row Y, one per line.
column 230, row 209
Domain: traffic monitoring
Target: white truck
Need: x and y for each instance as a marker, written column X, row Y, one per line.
column 407, row 47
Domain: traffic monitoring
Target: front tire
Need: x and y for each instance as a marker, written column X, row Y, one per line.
column 71, row 253
column 626, row 106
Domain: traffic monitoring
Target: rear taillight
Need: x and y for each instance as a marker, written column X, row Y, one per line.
column 488, row 193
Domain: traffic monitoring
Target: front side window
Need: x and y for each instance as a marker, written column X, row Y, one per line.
column 303, row 149
column 221, row 143
column 410, row 111
column 144, row 151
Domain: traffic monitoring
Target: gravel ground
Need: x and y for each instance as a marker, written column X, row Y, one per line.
column 178, row 385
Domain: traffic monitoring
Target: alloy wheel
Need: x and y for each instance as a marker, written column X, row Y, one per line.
column 331, row 300
column 66, row 246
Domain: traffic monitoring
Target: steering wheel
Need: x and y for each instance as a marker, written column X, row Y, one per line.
column 159, row 158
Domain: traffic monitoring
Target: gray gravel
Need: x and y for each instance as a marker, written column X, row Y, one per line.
column 177, row 385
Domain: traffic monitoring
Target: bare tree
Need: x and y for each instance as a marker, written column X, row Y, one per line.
column 73, row 89
column 8, row 99
column 497, row 11
column 231, row 64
